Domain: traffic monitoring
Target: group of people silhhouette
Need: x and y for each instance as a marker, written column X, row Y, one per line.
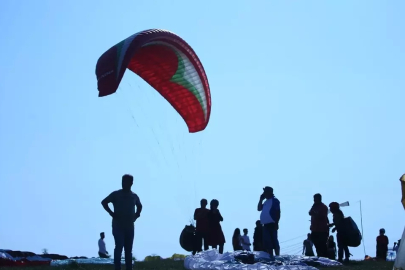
column 320, row 226
column 209, row 231
column 265, row 238
column 208, row 227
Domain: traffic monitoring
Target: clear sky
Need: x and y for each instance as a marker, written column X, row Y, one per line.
column 307, row 97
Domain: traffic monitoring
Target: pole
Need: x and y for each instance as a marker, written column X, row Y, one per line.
column 362, row 233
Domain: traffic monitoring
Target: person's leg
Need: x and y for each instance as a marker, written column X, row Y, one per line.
column 128, row 243
column 340, row 246
column 204, row 237
column 268, row 240
column 274, row 238
column 119, row 245
column 315, row 240
column 101, row 255
column 221, row 249
column 197, row 242
column 323, row 244
column 347, row 252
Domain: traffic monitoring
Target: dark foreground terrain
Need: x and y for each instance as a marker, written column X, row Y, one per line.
column 178, row 265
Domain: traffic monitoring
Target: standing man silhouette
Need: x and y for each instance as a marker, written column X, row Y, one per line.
column 124, row 216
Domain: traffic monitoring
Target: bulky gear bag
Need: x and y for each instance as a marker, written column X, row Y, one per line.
column 352, row 234
column 187, row 238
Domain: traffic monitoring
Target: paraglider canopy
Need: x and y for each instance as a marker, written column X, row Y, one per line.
column 167, row 63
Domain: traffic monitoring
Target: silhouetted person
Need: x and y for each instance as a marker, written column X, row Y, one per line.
column 270, row 217
column 382, row 246
column 200, row 216
column 307, row 249
column 258, row 237
column 331, row 248
column 338, row 218
column 319, row 225
column 102, row 251
column 245, row 240
column 216, row 236
column 124, row 216
column 396, row 246
column 236, row 239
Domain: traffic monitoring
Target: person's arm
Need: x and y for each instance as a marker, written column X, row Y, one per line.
column 260, row 204
column 138, row 208
column 303, row 248
column 220, row 216
column 106, row 201
column 196, row 216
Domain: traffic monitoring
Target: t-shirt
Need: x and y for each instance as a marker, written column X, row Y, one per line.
column 101, row 246
column 124, row 206
column 202, row 223
column 247, row 241
column 382, row 241
column 319, row 220
column 265, row 216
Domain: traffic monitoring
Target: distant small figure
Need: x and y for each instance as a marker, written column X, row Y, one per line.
column 216, row 238
column 319, row 225
column 200, row 216
column 307, row 249
column 102, row 251
column 236, row 240
column 258, row 237
column 338, row 218
column 331, row 248
column 382, row 246
column 246, row 240
column 270, row 217
column 396, row 245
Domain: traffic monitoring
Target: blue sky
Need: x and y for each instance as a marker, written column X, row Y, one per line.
column 307, row 97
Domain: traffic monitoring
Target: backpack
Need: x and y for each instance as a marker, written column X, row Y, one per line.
column 352, row 234
column 187, row 238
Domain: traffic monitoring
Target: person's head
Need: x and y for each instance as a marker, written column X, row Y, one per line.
column 236, row 232
column 203, row 203
column 334, row 207
column 127, row 181
column 268, row 192
column 214, row 204
column 382, row 231
column 317, row 198
column 309, row 236
column 102, row 236
column 258, row 223
column 245, row 231
column 331, row 239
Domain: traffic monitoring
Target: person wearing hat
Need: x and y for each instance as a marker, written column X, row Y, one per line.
column 382, row 246
column 123, row 218
column 269, row 218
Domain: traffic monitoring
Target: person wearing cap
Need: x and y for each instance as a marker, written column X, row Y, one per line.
column 123, row 218
column 382, row 246
column 269, row 218
column 319, row 226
